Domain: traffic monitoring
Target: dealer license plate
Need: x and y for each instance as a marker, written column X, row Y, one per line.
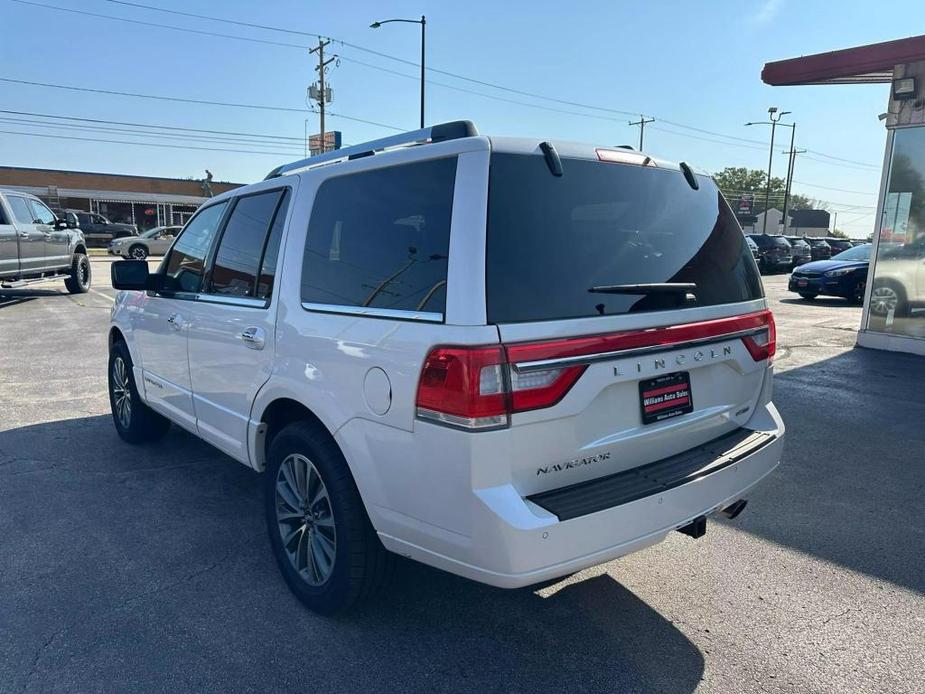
column 665, row 397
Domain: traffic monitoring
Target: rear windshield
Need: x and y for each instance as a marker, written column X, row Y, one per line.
column 769, row 241
column 551, row 239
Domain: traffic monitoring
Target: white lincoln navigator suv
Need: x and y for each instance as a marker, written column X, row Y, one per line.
column 505, row 358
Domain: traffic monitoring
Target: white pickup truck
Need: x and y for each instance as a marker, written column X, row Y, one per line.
column 36, row 246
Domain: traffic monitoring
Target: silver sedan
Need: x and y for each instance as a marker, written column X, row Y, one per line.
column 155, row 241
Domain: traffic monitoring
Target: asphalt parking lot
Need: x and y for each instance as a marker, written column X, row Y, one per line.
column 147, row 569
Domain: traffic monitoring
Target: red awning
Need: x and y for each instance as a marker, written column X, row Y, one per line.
column 861, row 64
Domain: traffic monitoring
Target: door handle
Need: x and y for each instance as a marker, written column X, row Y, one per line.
column 254, row 338
column 176, row 321
column 23, row 234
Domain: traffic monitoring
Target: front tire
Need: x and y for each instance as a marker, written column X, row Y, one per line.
column 81, row 275
column 324, row 544
column 857, row 294
column 807, row 296
column 888, row 296
column 135, row 422
column 137, row 252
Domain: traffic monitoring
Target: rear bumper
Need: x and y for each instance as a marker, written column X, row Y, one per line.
column 515, row 542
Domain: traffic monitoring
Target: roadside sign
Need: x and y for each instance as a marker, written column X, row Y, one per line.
column 332, row 141
column 746, row 203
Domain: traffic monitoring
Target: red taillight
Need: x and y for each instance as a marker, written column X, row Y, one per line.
column 763, row 345
column 464, row 386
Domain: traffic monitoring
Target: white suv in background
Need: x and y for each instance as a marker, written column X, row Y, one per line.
column 505, row 358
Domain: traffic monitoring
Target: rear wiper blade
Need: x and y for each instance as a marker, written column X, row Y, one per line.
column 650, row 288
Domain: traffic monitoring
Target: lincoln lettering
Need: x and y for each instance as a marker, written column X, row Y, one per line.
column 678, row 360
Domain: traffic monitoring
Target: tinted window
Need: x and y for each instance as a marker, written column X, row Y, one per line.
column 381, row 238
column 550, row 239
column 42, row 213
column 3, row 219
column 21, row 209
column 83, row 219
column 239, row 252
column 271, row 253
column 183, row 268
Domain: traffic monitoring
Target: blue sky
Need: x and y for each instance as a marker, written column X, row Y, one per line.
column 696, row 64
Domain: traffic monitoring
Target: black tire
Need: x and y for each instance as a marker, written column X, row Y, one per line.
column 81, row 275
column 138, row 252
column 142, row 424
column 808, row 297
column 857, row 294
column 360, row 564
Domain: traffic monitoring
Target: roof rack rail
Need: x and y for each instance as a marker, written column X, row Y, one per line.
column 435, row 133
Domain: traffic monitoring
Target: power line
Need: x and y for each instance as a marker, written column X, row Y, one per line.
column 149, row 125
column 141, row 144
column 260, row 107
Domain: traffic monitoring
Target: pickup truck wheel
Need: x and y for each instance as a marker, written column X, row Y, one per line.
column 324, row 544
column 137, row 252
column 135, row 422
column 81, row 275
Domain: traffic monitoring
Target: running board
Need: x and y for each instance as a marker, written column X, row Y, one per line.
column 25, row 283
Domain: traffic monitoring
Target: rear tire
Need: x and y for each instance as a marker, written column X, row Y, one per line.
column 887, row 296
column 808, row 297
column 135, row 422
column 81, row 275
column 325, row 546
column 137, row 252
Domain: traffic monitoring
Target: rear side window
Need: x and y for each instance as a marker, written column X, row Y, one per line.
column 184, row 267
column 381, row 238
column 240, row 250
column 551, row 239
column 271, row 253
column 21, row 210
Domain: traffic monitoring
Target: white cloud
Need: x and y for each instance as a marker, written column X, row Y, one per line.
column 768, row 11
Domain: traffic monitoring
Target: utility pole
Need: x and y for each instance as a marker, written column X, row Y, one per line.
column 834, row 220
column 791, row 161
column 772, row 121
column 642, row 127
column 321, row 94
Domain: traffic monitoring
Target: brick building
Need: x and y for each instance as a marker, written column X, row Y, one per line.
column 145, row 201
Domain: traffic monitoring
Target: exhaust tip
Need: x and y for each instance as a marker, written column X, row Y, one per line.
column 734, row 509
column 696, row 528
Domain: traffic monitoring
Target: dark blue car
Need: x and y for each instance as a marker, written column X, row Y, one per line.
column 843, row 275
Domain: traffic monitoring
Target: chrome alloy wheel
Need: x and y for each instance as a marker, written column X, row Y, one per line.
column 138, row 253
column 83, row 271
column 121, row 394
column 883, row 299
column 305, row 519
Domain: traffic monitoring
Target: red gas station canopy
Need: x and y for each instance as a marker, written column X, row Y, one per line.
column 861, row 64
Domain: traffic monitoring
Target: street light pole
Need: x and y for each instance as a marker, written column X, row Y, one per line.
column 772, row 121
column 423, row 22
column 790, row 162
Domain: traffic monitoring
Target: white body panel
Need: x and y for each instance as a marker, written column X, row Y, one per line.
column 453, row 499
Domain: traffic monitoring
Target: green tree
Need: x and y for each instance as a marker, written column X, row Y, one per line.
column 736, row 181
column 839, row 234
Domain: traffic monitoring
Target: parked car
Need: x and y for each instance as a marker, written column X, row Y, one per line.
column 858, row 242
column 839, row 245
column 753, row 247
column 900, row 281
column 365, row 328
column 818, row 247
column 155, row 241
column 36, row 246
column 98, row 230
column 843, row 275
column 774, row 252
column 802, row 253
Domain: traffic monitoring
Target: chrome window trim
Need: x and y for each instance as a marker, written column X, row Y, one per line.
column 248, row 301
column 372, row 312
column 543, row 364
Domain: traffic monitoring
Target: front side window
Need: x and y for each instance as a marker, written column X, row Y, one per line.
column 42, row 214
column 83, row 219
column 21, row 210
column 380, row 239
column 237, row 261
column 184, row 266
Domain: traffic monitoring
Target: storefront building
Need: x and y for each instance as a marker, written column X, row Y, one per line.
column 894, row 305
column 144, row 201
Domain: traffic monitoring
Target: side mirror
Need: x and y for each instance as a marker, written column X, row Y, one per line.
column 133, row 274
column 61, row 224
